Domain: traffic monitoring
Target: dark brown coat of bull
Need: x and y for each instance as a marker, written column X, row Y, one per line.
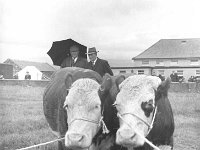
column 53, row 101
column 163, row 126
column 54, row 97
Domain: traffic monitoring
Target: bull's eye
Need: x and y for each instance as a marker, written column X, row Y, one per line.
column 147, row 107
column 117, row 106
column 94, row 108
column 66, row 106
column 97, row 106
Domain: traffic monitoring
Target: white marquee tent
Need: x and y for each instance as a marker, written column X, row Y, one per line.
column 33, row 71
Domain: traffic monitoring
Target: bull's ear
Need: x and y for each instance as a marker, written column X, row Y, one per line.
column 106, row 84
column 105, row 87
column 163, row 88
column 68, row 81
column 119, row 80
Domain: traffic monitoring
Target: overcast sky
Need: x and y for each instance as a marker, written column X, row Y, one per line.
column 119, row 29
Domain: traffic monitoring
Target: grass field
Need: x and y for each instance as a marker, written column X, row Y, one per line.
column 22, row 122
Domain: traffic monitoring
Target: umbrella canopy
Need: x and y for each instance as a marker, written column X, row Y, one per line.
column 60, row 50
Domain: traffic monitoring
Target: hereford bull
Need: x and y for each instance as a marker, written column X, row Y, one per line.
column 144, row 110
column 77, row 106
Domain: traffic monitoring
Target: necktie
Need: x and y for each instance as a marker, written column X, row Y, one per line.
column 73, row 61
column 93, row 65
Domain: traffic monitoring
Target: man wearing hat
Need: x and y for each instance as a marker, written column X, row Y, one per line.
column 99, row 65
column 74, row 60
column 27, row 76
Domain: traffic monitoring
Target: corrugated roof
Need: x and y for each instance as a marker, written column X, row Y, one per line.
column 40, row 66
column 172, row 48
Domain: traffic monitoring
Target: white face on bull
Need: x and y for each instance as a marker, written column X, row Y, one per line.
column 83, row 107
column 135, row 104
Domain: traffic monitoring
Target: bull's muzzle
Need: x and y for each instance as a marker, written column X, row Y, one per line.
column 75, row 137
column 75, row 141
column 127, row 137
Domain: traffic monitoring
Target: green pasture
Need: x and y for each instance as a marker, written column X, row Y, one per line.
column 22, row 122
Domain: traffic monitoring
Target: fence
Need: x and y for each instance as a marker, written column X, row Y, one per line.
column 185, row 87
column 175, row 87
column 33, row 83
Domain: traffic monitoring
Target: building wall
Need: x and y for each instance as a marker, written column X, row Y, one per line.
column 131, row 70
column 121, row 70
column 6, row 70
column 189, row 68
column 47, row 74
column 16, row 68
column 146, row 71
column 187, row 72
column 167, row 62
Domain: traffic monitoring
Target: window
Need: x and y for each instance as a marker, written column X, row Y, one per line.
column 180, row 73
column 161, row 72
column 197, row 72
column 194, row 62
column 159, row 62
column 145, row 62
column 122, row 71
column 140, row 71
column 174, row 62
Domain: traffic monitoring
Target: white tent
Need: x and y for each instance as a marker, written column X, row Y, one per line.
column 33, row 71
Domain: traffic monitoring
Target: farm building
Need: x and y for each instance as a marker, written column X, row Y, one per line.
column 6, row 71
column 46, row 69
column 121, row 66
column 167, row 55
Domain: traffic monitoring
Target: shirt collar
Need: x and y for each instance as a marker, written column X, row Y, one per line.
column 75, row 59
column 94, row 62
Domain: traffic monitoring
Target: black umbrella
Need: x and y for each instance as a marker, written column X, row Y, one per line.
column 60, row 50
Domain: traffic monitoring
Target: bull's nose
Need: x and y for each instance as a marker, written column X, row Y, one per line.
column 75, row 137
column 128, row 138
column 126, row 134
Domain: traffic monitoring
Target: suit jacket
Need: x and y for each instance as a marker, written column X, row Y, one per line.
column 27, row 76
column 80, row 62
column 101, row 66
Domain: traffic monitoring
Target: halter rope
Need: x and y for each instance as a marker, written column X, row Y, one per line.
column 150, row 126
column 99, row 123
column 41, row 144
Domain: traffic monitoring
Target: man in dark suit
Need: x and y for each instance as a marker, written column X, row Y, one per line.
column 74, row 60
column 27, row 76
column 99, row 65
column 174, row 77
